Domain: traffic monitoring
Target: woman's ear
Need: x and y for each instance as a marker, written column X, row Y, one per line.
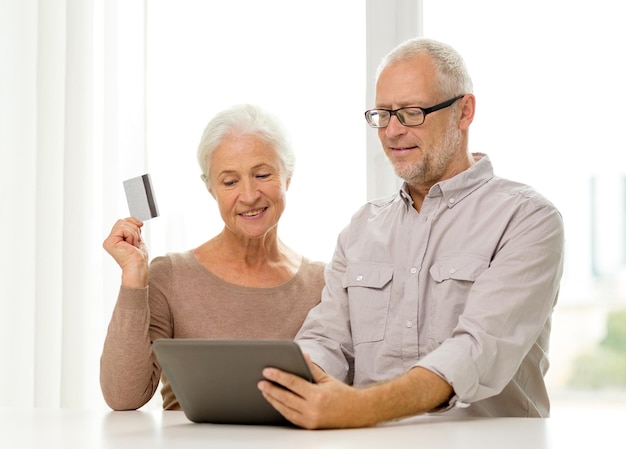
column 205, row 179
column 210, row 189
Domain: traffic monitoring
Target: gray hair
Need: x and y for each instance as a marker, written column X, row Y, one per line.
column 245, row 120
column 453, row 76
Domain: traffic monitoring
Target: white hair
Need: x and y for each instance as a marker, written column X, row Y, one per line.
column 245, row 120
column 453, row 76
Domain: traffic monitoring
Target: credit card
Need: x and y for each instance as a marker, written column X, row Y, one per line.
column 140, row 197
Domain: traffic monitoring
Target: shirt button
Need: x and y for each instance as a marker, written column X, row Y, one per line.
column 409, row 323
column 451, row 200
column 359, row 277
column 413, row 270
column 452, row 270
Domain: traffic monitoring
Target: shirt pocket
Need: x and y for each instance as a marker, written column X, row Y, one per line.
column 453, row 277
column 369, row 294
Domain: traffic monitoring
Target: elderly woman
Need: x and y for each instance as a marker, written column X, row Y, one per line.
column 244, row 283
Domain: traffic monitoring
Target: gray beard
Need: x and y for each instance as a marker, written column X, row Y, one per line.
column 433, row 165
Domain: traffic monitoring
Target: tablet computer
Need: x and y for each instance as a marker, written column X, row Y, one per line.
column 215, row 381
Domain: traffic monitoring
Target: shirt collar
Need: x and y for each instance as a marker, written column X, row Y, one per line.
column 455, row 189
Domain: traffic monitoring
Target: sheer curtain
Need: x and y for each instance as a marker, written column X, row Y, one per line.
column 74, row 95
column 65, row 99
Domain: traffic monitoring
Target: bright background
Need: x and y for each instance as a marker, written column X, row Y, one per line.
column 93, row 92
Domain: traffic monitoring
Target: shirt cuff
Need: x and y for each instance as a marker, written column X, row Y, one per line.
column 450, row 363
column 452, row 403
column 133, row 298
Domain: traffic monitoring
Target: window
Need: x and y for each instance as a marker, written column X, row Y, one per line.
column 206, row 56
column 549, row 113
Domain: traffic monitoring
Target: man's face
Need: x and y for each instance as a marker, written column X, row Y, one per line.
column 421, row 155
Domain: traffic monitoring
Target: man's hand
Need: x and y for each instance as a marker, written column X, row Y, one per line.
column 327, row 403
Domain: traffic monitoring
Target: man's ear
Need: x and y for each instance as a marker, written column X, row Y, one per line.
column 468, row 109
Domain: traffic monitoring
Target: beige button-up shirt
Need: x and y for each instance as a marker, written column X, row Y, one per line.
column 464, row 288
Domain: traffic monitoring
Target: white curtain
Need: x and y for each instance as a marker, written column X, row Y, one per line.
column 73, row 126
column 71, row 105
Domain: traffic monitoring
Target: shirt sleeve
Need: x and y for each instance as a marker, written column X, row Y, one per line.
column 129, row 371
column 506, row 319
column 325, row 334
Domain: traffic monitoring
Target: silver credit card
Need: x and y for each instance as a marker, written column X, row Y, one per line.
column 140, row 197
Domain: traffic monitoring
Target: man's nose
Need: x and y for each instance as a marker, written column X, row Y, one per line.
column 394, row 128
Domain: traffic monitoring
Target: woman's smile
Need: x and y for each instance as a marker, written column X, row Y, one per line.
column 254, row 213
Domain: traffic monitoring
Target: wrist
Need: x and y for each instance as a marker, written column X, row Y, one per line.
column 135, row 277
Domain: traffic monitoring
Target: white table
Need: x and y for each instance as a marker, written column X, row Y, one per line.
column 68, row 429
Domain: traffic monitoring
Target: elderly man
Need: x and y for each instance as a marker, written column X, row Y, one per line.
column 438, row 299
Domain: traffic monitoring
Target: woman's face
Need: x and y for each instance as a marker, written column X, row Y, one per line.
column 249, row 184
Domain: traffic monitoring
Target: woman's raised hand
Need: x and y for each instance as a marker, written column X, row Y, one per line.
column 126, row 246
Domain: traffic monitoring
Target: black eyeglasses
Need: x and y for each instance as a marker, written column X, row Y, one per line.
column 413, row 116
